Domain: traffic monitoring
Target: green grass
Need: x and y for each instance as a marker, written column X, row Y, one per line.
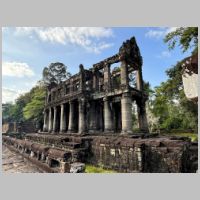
column 93, row 169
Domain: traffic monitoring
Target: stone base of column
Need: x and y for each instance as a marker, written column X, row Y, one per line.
column 45, row 129
column 71, row 131
column 62, row 131
column 111, row 131
column 52, row 132
column 82, row 132
column 123, row 132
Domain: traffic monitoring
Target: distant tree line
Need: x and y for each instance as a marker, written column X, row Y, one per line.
column 30, row 106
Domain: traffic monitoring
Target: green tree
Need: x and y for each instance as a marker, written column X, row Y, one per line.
column 186, row 37
column 34, row 108
column 6, row 112
column 17, row 109
column 170, row 104
column 55, row 73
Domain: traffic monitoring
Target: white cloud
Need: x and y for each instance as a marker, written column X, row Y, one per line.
column 16, row 69
column 9, row 94
column 159, row 32
column 86, row 37
column 164, row 54
column 155, row 34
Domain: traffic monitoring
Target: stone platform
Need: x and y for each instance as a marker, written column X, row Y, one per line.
column 128, row 153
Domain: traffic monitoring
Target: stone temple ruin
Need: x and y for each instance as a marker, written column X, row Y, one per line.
column 97, row 100
column 88, row 120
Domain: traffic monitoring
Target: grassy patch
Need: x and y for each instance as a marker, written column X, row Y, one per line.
column 93, row 169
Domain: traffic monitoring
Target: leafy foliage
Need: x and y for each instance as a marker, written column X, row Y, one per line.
column 55, row 73
column 14, row 112
column 168, row 101
column 187, row 37
column 172, row 107
column 34, row 108
column 28, row 106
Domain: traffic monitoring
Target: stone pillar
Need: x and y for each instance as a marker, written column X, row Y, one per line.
column 93, row 116
column 62, row 118
column 71, row 87
column 142, row 118
column 82, row 78
column 54, row 119
column 139, row 79
column 101, row 125
column 126, row 110
column 50, row 120
column 71, row 117
column 95, row 80
column 107, row 77
column 45, row 121
column 108, row 122
column 81, row 125
column 124, row 75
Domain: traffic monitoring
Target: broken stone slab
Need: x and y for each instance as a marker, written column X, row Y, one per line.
column 77, row 167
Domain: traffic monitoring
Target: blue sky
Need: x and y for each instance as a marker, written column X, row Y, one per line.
column 27, row 50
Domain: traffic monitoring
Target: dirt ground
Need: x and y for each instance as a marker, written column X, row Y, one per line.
column 15, row 163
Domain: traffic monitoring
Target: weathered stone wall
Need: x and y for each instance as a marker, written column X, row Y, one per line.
column 144, row 155
column 121, row 153
column 27, row 127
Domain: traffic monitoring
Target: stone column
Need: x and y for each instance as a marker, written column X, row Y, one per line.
column 108, row 122
column 101, row 126
column 95, row 80
column 93, row 116
column 81, row 125
column 107, row 77
column 142, row 118
column 139, row 79
column 82, row 78
column 62, row 118
column 50, row 120
column 126, row 110
column 71, row 88
column 71, row 117
column 54, row 119
column 45, row 121
column 124, row 75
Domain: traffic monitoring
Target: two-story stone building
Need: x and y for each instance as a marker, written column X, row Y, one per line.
column 98, row 100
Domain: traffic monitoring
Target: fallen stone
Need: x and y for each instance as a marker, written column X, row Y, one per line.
column 77, row 167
